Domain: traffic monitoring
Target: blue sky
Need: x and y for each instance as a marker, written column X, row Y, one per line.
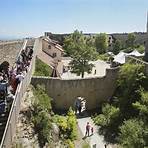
column 34, row 17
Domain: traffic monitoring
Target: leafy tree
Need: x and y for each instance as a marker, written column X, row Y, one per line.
column 117, row 46
column 109, row 113
column 131, row 134
column 108, row 120
column 42, row 125
column 90, row 41
column 72, row 124
column 140, row 48
column 101, row 43
column 142, row 105
column 67, row 125
column 40, row 115
column 75, row 45
column 128, row 105
column 131, row 78
column 42, row 100
column 130, row 43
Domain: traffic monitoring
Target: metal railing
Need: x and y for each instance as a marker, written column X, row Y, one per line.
column 10, row 128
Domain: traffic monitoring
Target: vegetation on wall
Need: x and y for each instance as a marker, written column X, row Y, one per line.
column 42, row 69
column 125, row 119
column 41, row 110
column 43, row 118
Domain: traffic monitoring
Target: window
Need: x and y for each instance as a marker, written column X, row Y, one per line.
column 54, row 55
column 49, row 46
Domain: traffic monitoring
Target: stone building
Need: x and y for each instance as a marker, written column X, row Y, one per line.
column 52, row 48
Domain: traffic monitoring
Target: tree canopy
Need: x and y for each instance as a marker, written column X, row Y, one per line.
column 77, row 47
column 125, row 119
column 130, row 43
column 117, row 46
column 101, row 43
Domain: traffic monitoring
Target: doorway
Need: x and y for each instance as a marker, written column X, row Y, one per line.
column 80, row 105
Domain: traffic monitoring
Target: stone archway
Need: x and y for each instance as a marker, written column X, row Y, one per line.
column 79, row 105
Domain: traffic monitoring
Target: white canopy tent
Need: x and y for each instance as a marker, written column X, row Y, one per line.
column 120, row 57
column 135, row 53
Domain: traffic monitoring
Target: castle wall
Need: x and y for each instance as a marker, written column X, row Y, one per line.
column 94, row 90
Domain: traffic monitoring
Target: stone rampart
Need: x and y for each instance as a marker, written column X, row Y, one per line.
column 94, row 90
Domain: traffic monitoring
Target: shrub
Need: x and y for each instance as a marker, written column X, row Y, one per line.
column 131, row 135
column 40, row 115
column 67, row 125
column 42, row 100
column 70, row 144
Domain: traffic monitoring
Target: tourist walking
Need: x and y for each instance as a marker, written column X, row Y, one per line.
column 87, row 129
column 92, row 130
column 80, row 108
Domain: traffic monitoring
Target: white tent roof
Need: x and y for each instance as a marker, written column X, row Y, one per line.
column 110, row 53
column 135, row 53
column 120, row 57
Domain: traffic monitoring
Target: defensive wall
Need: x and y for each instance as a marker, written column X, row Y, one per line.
column 64, row 92
column 10, row 129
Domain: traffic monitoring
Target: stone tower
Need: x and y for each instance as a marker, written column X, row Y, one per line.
column 146, row 45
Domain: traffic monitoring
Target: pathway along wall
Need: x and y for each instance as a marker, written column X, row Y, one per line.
column 10, row 129
column 94, row 90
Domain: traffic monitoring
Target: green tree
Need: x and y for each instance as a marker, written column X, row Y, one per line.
column 101, row 43
column 82, row 53
column 140, row 48
column 142, row 105
column 130, row 43
column 130, row 79
column 117, row 46
column 131, row 134
column 109, row 113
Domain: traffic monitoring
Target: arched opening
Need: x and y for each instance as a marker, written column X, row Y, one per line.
column 80, row 106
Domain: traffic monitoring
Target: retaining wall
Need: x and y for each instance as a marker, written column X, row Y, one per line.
column 94, row 90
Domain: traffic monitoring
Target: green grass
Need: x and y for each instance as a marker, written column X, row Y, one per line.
column 42, row 69
column 85, row 145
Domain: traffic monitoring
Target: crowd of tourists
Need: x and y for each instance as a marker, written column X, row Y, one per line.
column 11, row 77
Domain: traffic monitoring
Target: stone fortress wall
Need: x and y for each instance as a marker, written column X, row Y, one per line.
column 94, row 90
column 9, row 51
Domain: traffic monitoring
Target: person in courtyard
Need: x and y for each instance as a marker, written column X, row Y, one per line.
column 80, row 108
column 87, row 129
column 95, row 72
column 105, row 145
column 92, row 130
column 76, row 106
